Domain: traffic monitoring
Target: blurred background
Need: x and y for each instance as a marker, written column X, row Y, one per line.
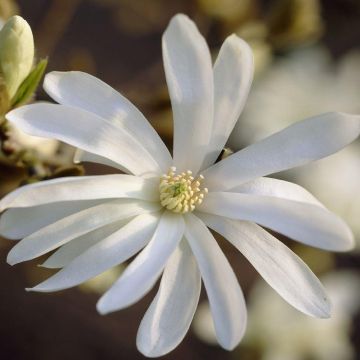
column 307, row 57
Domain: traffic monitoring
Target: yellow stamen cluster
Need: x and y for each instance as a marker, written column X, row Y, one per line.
column 181, row 193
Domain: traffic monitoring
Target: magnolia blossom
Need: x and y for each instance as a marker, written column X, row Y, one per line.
column 163, row 207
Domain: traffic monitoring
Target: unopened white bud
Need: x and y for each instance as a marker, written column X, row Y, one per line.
column 16, row 53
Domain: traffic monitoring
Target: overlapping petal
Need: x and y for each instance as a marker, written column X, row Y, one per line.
column 189, row 76
column 266, row 186
column 141, row 275
column 169, row 316
column 86, row 131
column 78, row 89
column 233, row 74
column 111, row 251
column 298, row 144
column 308, row 223
column 277, row 264
column 82, row 188
column 68, row 252
column 17, row 223
column 84, row 156
column 70, row 227
column 226, row 300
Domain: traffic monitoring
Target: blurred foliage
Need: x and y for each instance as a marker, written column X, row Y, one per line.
column 8, row 8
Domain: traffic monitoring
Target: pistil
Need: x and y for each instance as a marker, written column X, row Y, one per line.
column 181, row 193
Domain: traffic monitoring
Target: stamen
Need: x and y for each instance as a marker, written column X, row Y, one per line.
column 181, row 193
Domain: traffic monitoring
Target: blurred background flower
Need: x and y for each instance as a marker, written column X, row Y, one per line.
column 280, row 333
column 304, row 83
column 307, row 58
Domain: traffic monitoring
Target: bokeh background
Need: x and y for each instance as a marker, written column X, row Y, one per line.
column 307, row 56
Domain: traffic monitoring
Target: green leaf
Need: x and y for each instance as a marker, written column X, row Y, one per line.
column 29, row 85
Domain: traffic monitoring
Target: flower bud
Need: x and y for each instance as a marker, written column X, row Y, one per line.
column 16, row 53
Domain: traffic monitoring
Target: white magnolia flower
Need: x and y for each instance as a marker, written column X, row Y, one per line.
column 97, row 222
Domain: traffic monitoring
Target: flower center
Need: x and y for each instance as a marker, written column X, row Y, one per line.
column 181, row 193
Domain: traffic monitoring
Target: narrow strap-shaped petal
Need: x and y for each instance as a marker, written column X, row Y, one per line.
column 17, row 223
column 298, row 144
column 266, row 186
column 225, row 296
column 189, row 76
column 278, row 265
column 307, row 223
column 82, row 188
column 111, row 251
column 141, row 275
column 233, row 74
column 79, row 89
column 169, row 316
column 69, row 251
column 70, row 227
column 86, row 131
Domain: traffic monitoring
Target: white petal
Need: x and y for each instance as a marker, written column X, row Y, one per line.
column 68, row 252
column 141, row 275
column 18, row 223
column 66, row 229
column 86, row 131
column 266, row 186
column 307, row 223
column 84, row 156
column 298, row 144
column 277, row 264
column 78, row 89
column 233, row 74
column 189, row 76
column 105, row 254
column 82, row 188
column 169, row 316
column 225, row 296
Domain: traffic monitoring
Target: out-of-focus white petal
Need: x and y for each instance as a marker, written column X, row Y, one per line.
column 233, row 74
column 307, row 223
column 70, row 227
column 86, row 131
column 189, row 76
column 225, row 296
column 82, row 188
column 78, row 89
column 298, row 144
column 105, row 254
column 18, row 223
column 169, row 316
column 266, row 186
column 141, row 275
column 68, row 252
column 276, row 263
column 44, row 148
